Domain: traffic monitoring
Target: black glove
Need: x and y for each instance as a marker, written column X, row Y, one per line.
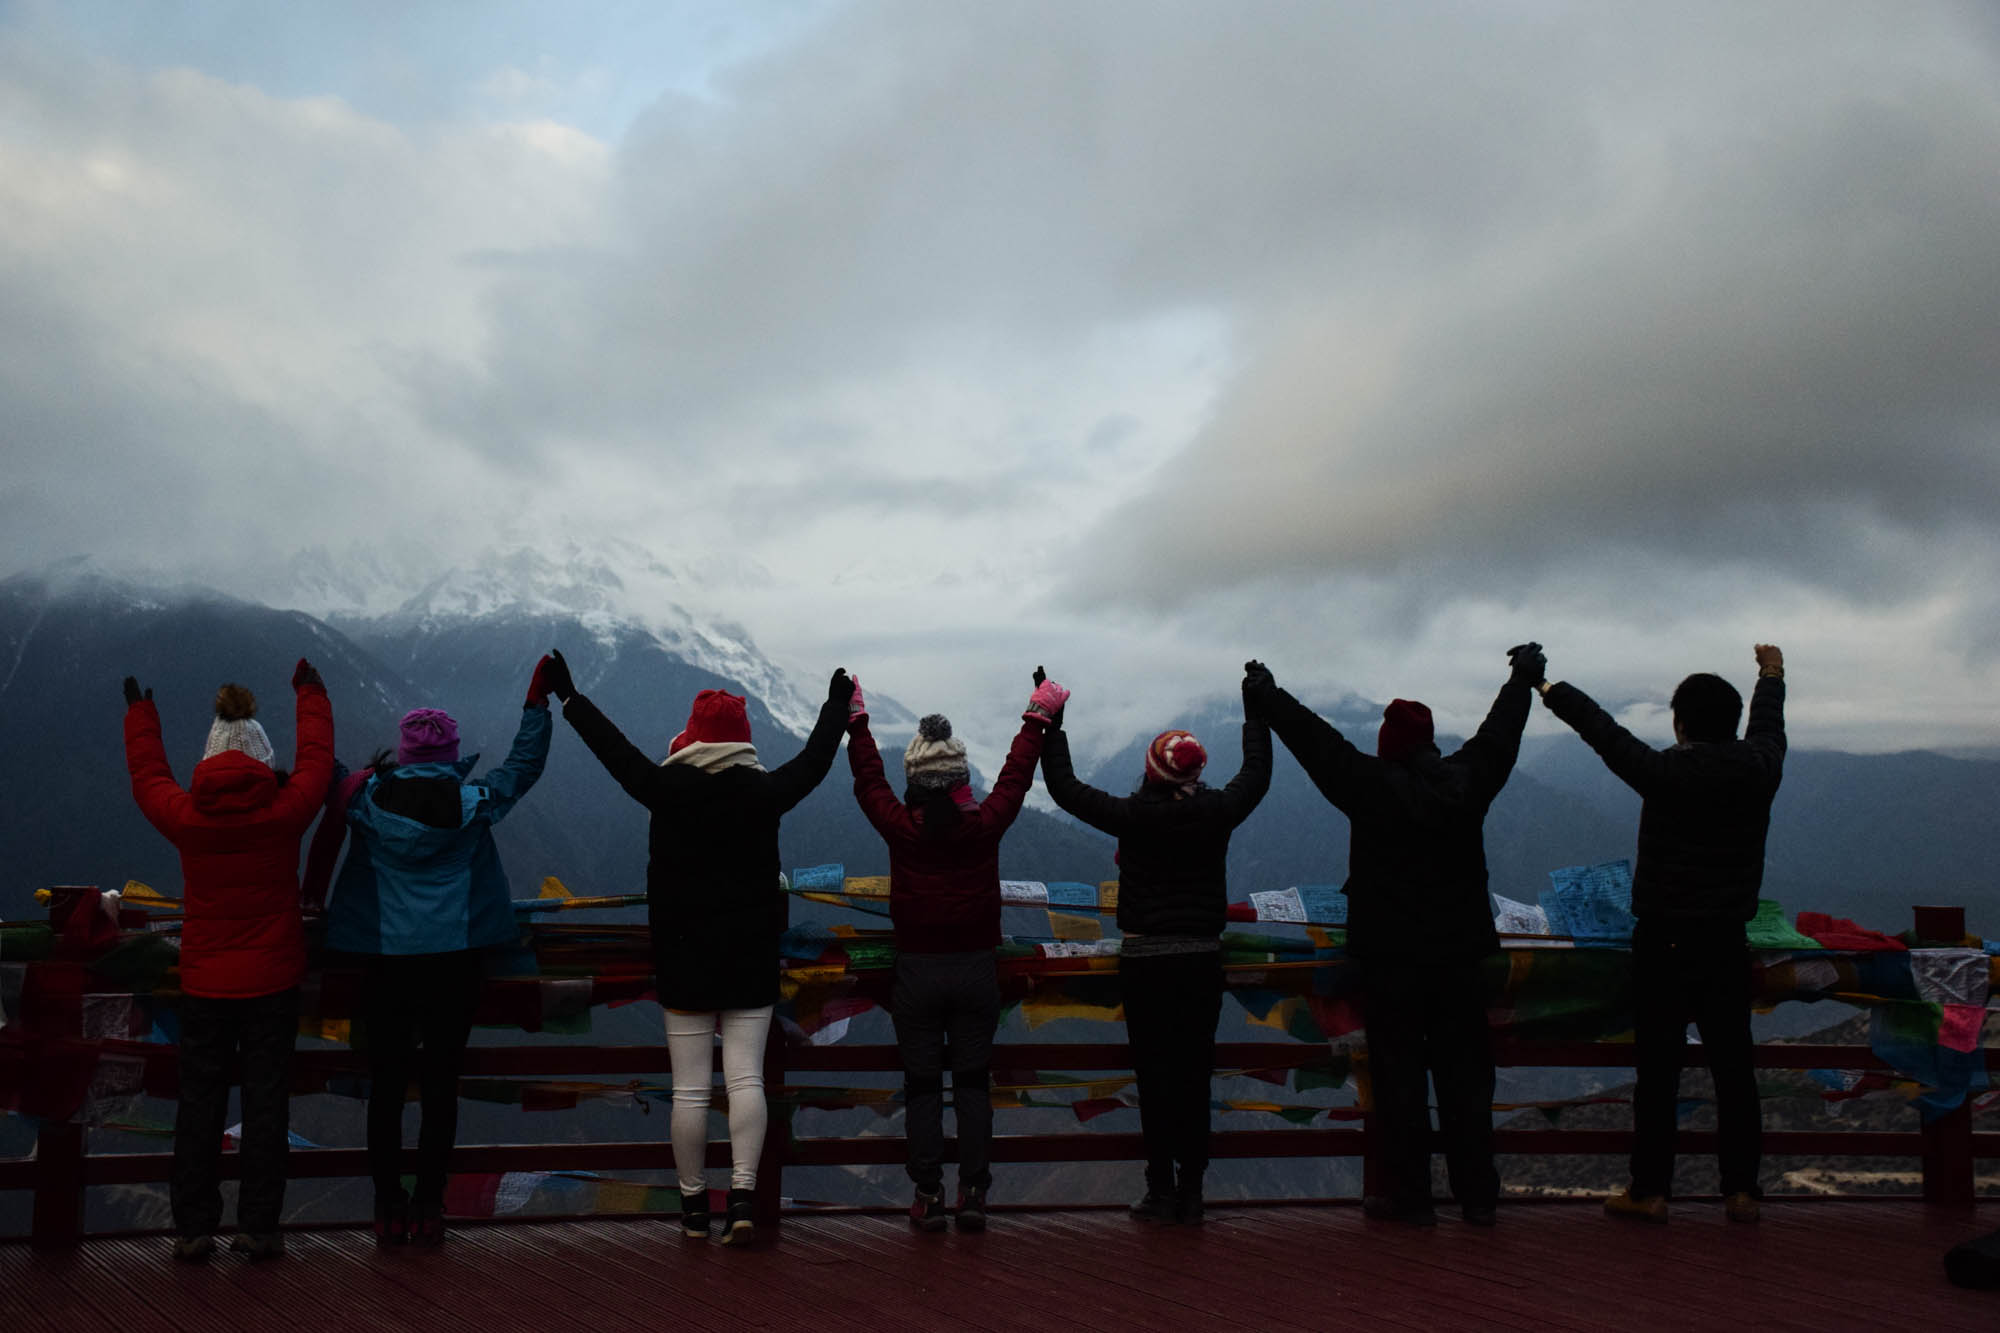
column 305, row 673
column 840, row 689
column 556, row 676
column 1040, row 676
column 1531, row 665
column 132, row 694
column 1257, row 684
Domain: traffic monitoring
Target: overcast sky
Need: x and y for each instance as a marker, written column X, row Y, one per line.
column 1133, row 338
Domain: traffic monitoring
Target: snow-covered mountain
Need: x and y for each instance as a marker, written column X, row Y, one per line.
column 609, row 588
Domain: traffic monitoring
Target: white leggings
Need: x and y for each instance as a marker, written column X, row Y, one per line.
column 691, row 1045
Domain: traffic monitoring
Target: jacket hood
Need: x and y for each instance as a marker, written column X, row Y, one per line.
column 232, row 783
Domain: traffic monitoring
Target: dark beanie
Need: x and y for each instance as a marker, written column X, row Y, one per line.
column 1406, row 728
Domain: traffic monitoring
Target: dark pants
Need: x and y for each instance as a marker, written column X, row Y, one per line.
column 1430, row 1018
column 215, row 1036
column 1700, row 974
column 413, row 1000
column 946, row 1007
column 1172, row 1003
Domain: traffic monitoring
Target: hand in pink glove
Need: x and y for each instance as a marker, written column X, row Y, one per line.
column 1045, row 705
column 857, row 707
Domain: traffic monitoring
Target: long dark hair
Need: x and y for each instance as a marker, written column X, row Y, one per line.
column 935, row 810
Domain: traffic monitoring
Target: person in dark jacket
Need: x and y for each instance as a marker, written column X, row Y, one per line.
column 421, row 898
column 237, row 827
column 716, row 908
column 1419, row 924
column 1701, row 863
column 944, row 900
column 1173, row 892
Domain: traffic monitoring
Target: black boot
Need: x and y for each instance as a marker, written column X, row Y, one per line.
column 739, row 1225
column 1159, row 1203
column 694, row 1213
column 1188, row 1207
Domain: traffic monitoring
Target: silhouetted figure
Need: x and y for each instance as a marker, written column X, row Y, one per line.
column 1173, row 892
column 944, row 899
column 1701, row 862
column 1419, row 924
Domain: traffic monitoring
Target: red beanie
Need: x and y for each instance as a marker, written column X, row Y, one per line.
column 1175, row 759
column 1406, row 726
column 717, row 715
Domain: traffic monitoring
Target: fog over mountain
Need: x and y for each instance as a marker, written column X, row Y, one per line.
column 1859, row 835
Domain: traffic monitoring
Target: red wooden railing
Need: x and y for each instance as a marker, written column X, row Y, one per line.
column 61, row 1170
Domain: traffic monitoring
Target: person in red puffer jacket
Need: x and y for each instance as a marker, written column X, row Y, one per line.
column 944, row 900
column 237, row 826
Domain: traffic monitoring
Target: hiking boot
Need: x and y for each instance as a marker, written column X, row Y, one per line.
column 971, row 1212
column 927, row 1211
column 1157, row 1206
column 1188, row 1207
column 194, row 1249
column 739, row 1224
column 1637, row 1207
column 1741, row 1206
column 259, row 1246
column 1382, row 1208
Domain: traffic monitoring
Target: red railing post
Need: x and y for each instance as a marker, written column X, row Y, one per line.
column 1947, row 1159
column 58, row 1218
column 777, row 1134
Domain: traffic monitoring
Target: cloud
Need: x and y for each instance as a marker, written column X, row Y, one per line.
column 1151, row 335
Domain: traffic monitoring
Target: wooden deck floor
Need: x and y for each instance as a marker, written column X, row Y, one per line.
column 1816, row 1266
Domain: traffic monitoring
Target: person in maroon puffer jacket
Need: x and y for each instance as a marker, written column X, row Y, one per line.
column 944, row 900
column 237, row 827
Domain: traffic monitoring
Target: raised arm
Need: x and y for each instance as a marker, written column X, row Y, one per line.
column 1100, row 810
column 523, row 765
column 312, row 762
column 1635, row 763
column 1490, row 754
column 162, row 801
column 793, row 781
column 1341, row 772
column 871, row 787
column 1766, row 730
column 1252, row 780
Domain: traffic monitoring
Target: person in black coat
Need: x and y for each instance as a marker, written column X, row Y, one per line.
column 1173, row 892
column 716, row 909
column 1419, row 923
column 1701, row 863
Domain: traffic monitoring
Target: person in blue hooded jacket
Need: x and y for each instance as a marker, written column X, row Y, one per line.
column 421, row 896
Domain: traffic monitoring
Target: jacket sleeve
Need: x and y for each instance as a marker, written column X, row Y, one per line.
column 1341, row 772
column 1491, row 752
column 871, row 787
column 523, row 765
column 1635, row 763
column 793, row 781
column 1766, row 733
column 312, row 763
column 625, row 762
column 324, row 849
column 1003, row 804
column 1101, row 810
column 1252, row 780
column 161, row 800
